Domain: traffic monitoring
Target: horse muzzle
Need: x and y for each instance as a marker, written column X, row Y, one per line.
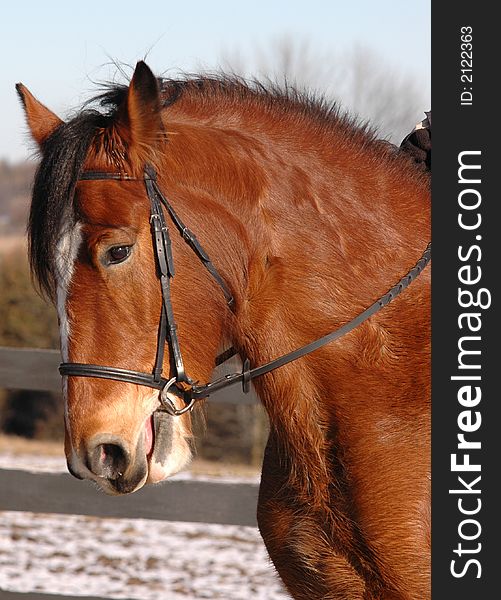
column 120, row 466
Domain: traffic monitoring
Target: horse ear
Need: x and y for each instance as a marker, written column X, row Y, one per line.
column 41, row 121
column 142, row 107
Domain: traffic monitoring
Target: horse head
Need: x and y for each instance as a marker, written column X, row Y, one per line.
column 92, row 253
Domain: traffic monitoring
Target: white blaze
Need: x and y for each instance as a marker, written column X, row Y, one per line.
column 66, row 252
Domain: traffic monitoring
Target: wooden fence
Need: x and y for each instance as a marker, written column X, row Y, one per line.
column 178, row 500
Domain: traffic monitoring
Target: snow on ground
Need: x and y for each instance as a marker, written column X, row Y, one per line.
column 130, row 558
column 33, row 462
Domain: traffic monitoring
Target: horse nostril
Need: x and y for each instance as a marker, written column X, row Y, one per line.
column 108, row 460
column 114, row 460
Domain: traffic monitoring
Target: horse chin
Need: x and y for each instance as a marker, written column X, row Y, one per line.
column 169, row 450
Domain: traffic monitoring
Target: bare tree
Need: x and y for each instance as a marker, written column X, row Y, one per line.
column 360, row 80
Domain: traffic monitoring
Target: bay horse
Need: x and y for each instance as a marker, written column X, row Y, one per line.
column 307, row 220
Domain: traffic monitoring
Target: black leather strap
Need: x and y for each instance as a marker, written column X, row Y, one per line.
column 224, row 356
column 102, row 372
column 165, row 263
column 187, row 235
column 247, row 375
column 93, row 175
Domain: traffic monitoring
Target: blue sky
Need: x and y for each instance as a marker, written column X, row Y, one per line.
column 57, row 48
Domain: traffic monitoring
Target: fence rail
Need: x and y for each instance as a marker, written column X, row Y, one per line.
column 177, row 500
column 35, row 369
column 30, row 369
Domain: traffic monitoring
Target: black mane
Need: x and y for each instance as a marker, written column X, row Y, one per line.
column 52, row 206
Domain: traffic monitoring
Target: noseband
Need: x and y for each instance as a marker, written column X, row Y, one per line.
column 179, row 383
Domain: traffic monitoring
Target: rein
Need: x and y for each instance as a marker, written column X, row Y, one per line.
column 180, row 384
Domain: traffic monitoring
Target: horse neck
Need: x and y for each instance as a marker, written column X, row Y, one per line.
column 336, row 232
column 325, row 224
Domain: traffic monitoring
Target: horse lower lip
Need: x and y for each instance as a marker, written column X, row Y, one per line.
column 132, row 482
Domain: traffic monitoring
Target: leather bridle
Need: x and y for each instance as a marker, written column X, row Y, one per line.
column 179, row 383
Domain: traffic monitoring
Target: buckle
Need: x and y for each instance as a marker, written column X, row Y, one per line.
column 167, row 404
column 246, row 377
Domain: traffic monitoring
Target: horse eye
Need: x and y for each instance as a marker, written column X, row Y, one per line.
column 117, row 254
